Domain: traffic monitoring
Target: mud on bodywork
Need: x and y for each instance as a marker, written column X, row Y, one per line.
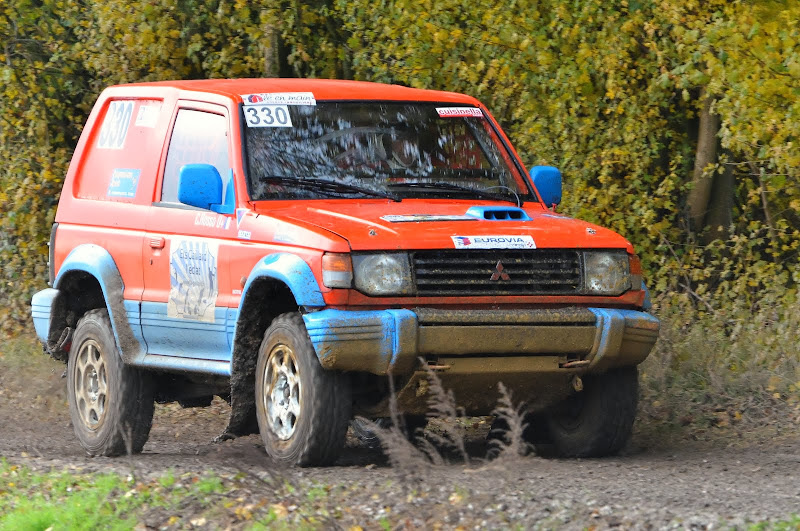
column 265, row 300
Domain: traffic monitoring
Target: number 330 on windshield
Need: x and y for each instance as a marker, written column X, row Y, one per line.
column 267, row 116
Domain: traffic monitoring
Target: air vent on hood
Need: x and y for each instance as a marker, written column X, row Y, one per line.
column 498, row 213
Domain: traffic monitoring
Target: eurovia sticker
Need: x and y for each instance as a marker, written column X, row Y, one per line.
column 493, row 242
column 280, row 98
column 459, row 112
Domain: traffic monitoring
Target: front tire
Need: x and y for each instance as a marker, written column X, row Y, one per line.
column 110, row 403
column 597, row 421
column 303, row 410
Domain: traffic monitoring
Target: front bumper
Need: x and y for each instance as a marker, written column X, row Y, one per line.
column 390, row 341
column 42, row 306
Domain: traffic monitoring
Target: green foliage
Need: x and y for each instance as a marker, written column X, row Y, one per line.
column 609, row 92
column 792, row 524
column 62, row 500
column 56, row 57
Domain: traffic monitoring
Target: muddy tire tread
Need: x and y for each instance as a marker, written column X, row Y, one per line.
column 330, row 401
column 607, row 420
column 133, row 403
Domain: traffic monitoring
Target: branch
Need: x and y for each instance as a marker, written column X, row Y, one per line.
column 763, row 192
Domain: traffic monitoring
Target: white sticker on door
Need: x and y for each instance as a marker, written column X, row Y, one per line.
column 193, row 279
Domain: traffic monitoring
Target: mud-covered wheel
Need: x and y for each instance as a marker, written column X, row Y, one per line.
column 597, row 421
column 412, row 427
column 501, row 435
column 303, row 410
column 363, row 431
column 110, row 403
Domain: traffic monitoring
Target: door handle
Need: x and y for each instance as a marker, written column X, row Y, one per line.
column 157, row 243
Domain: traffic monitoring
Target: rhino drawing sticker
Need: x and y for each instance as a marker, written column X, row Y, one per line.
column 193, row 279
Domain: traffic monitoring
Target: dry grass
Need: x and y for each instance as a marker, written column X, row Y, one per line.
column 506, row 439
column 731, row 369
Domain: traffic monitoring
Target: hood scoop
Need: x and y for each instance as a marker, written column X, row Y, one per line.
column 494, row 213
column 491, row 213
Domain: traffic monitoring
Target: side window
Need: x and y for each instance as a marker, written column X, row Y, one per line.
column 198, row 138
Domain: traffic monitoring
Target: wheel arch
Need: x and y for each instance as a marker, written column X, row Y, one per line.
column 278, row 283
column 89, row 279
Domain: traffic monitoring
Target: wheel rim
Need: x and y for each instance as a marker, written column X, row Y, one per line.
column 91, row 384
column 282, row 391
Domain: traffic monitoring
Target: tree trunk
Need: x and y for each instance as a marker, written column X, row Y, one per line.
column 720, row 207
column 700, row 194
column 272, row 60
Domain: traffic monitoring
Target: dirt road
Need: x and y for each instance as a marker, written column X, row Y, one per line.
column 654, row 484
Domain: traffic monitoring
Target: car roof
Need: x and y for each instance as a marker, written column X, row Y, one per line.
column 322, row 89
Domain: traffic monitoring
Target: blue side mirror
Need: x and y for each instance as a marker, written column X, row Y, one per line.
column 199, row 185
column 547, row 181
column 228, row 205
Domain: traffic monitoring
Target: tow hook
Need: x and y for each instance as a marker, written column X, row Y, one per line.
column 577, row 383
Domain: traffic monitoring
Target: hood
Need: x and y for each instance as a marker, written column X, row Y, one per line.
column 442, row 224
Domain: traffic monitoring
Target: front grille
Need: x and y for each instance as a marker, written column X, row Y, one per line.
column 476, row 272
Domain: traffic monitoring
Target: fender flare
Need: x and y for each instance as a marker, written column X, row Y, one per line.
column 292, row 271
column 96, row 261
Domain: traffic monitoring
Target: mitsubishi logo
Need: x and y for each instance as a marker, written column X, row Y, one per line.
column 499, row 274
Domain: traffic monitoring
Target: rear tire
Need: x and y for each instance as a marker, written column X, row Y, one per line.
column 303, row 410
column 597, row 421
column 110, row 403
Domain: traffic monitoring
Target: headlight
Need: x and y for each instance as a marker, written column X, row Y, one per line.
column 606, row 272
column 382, row 274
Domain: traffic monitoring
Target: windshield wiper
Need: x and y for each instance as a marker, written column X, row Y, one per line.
column 441, row 185
column 326, row 186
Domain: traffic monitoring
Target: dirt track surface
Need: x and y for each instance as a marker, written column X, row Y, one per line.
column 653, row 485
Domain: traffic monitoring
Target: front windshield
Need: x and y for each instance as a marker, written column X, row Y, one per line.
column 396, row 150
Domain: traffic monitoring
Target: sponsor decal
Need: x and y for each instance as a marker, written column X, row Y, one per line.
column 212, row 221
column 284, row 237
column 425, row 217
column 280, row 98
column 244, row 234
column 493, row 242
column 124, row 183
column 147, row 116
column 240, row 212
column 115, row 125
column 590, row 230
column 459, row 112
column 193, row 285
column 267, row 116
